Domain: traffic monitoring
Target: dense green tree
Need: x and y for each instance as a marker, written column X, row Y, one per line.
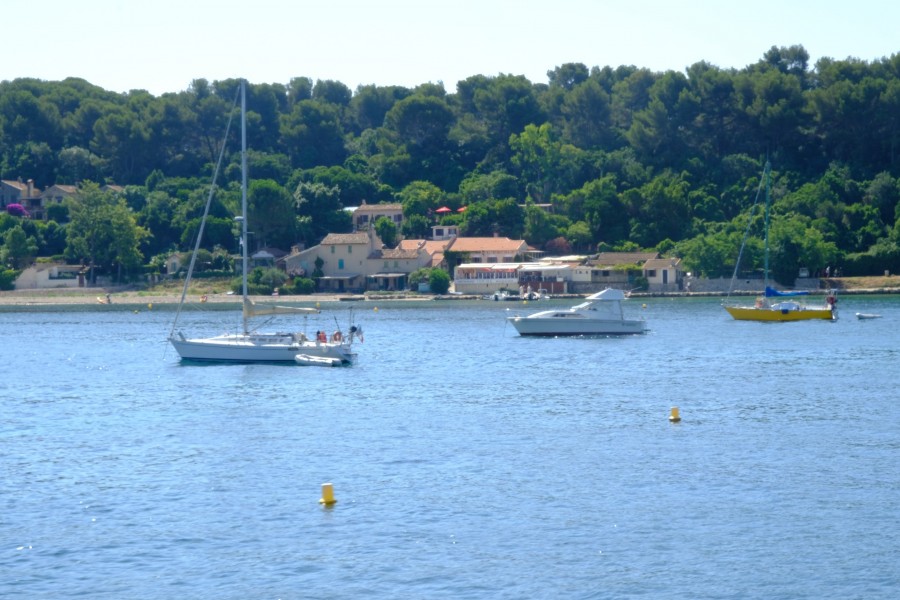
column 125, row 141
column 794, row 245
column 103, row 232
column 416, row 227
column 420, row 198
column 313, row 135
column 539, row 227
column 18, row 249
column 423, row 124
column 587, row 115
column 659, row 210
column 321, row 212
column 715, row 254
column 387, row 231
column 271, row 215
column 600, row 207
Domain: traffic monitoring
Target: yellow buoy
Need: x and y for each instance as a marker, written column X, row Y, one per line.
column 327, row 495
column 674, row 416
column 150, row 305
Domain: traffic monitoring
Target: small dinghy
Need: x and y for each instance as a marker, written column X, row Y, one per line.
column 867, row 316
column 317, row 361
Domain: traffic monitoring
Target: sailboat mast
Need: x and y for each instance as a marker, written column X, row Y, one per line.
column 244, row 254
column 766, row 260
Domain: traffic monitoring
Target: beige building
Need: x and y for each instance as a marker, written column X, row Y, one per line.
column 366, row 215
column 663, row 274
column 17, row 192
column 55, row 194
column 356, row 262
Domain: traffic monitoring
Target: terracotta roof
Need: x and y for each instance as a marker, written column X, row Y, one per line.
column 431, row 246
column 486, row 244
column 398, row 253
column 346, row 238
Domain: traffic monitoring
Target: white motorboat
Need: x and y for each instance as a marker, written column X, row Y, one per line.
column 250, row 345
column 599, row 314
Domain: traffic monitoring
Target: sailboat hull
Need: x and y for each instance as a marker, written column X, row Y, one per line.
column 258, row 348
column 774, row 313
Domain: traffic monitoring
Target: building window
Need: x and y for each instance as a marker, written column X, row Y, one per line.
column 332, row 249
column 340, row 264
column 492, row 259
column 349, row 249
column 651, row 273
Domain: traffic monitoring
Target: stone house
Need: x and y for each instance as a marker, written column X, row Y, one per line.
column 365, row 215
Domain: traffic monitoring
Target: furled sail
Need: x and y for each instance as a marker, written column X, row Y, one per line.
column 252, row 309
column 772, row 292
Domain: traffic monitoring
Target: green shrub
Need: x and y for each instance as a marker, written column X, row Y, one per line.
column 438, row 281
column 8, row 279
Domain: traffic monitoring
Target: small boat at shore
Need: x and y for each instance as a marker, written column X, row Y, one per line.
column 863, row 316
column 307, row 360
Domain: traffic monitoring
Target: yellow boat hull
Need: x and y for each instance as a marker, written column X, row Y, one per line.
column 753, row 313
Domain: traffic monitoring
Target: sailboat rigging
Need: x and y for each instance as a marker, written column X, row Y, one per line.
column 772, row 306
column 250, row 345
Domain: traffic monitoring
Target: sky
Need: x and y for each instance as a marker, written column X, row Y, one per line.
column 163, row 45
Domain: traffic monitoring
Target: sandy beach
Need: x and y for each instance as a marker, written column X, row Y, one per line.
column 99, row 295
column 94, row 296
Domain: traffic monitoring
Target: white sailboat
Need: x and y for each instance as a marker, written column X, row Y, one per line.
column 250, row 345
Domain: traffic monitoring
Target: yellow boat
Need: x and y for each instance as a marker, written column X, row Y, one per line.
column 785, row 310
column 772, row 305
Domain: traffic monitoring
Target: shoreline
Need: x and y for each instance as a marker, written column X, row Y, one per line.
column 97, row 296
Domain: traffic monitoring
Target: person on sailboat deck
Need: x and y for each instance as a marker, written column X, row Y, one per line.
column 321, row 336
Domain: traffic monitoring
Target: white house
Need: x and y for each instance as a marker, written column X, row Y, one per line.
column 663, row 274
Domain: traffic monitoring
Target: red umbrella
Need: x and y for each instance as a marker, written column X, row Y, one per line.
column 461, row 209
column 443, row 209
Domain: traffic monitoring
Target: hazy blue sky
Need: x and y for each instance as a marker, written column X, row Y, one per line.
column 162, row 45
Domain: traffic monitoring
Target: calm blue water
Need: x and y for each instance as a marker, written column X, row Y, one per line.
column 467, row 462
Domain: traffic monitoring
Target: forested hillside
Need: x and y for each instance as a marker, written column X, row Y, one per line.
column 597, row 158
